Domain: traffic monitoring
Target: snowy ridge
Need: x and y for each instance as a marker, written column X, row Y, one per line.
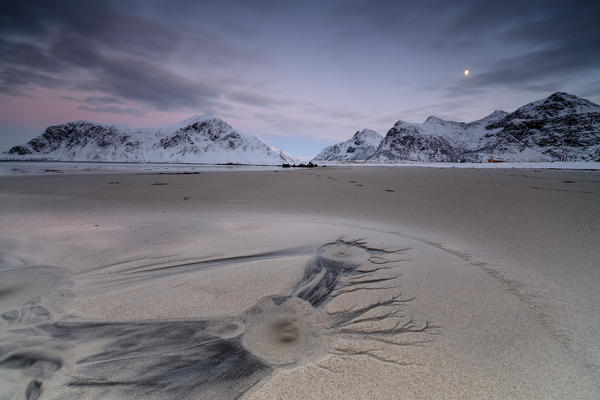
column 200, row 139
column 561, row 127
column 435, row 139
column 360, row 147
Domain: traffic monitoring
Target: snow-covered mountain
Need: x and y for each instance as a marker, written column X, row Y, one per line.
column 359, row 147
column 434, row 140
column 561, row 127
column 202, row 139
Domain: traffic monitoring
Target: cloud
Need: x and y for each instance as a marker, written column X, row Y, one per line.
column 95, row 47
column 113, row 110
column 450, row 22
column 322, row 67
column 102, row 100
column 537, row 70
column 521, row 45
column 250, row 97
column 447, row 109
column 106, row 105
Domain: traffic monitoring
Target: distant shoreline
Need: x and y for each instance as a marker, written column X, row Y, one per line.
column 41, row 167
column 584, row 165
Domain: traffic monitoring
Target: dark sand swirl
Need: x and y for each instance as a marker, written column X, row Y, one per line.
column 214, row 358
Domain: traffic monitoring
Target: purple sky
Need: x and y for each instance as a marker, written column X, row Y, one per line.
column 299, row 75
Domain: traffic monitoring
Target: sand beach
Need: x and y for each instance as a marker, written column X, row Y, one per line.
column 325, row 283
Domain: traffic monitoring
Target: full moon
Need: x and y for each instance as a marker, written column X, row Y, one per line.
column 466, row 72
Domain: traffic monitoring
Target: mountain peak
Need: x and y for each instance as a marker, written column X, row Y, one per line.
column 200, row 139
column 494, row 117
column 558, row 96
column 432, row 119
column 366, row 133
column 497, row 114
column 358, row 148
column 402, row 122
column 566, row 98
column 196, row 118
column 558, row 104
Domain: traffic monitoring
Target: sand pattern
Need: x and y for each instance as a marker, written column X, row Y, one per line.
column 218, row 358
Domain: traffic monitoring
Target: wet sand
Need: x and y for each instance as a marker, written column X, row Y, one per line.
column 357, row 282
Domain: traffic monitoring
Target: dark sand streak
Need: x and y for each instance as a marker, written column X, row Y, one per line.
column 213, row 358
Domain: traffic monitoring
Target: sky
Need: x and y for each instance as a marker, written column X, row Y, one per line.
column 299, row 75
